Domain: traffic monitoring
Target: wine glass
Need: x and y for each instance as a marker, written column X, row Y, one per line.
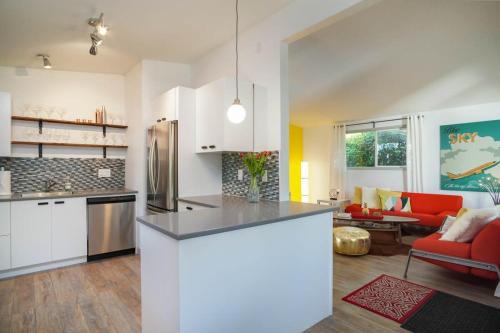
column 61, row 112
column 50, row 110
column 36, row 110
column 85, row 137
column 27, row 110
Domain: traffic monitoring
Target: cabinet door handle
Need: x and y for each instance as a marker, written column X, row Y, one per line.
column 43, row 203
column 189, row 208
column 204, row 147
column 211, row 147
column 59, row 202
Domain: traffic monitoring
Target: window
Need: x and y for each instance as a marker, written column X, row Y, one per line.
column 376, row 148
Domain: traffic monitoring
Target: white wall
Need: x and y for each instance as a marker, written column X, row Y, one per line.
column 318, row 156
column 78, row 93
column 263, row 60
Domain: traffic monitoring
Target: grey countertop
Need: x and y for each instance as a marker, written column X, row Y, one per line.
column 227, row 213
column 72, row 194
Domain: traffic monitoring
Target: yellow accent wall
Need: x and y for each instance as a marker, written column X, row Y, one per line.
column 296, row 149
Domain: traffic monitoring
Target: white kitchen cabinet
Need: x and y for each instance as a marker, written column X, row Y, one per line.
column 214, row 132
column 209, row 123
column 4, row 218
column 4, row 252
column 30, row 232
column 69, row 228
column 166, row 106
column 5, row 124
column 4, row 235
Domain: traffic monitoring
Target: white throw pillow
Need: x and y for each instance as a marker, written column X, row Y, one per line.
column 467, row 226
column 371, row 197
column 448, row 221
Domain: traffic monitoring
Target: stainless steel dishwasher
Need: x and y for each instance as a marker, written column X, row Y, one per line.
column 110, row 226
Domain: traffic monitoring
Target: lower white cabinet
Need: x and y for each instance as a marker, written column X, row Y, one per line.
column 48, row 230
column 31, row 232
column 69, row 228
column 4, row 252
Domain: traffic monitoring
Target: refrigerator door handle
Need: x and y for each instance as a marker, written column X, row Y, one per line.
column 150, row 163
column 157, row 160
column 171, row 165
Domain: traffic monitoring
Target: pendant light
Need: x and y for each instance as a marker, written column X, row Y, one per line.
column 236, row 113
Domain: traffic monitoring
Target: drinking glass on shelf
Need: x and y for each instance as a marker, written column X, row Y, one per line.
column 27, row 110
column 36, row 110
column 29, row 133
column 61, row 112
column 85, row 137
column 110, row 118
column 95, row 138
column 50, row 111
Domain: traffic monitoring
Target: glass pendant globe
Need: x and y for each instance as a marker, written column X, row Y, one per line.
column 236, row 113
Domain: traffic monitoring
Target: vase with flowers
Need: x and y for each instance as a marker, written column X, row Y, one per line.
column 255, row 164
column 492, row 186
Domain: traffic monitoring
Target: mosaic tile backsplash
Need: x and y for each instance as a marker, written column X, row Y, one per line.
column 231, row 162
column 30, row 174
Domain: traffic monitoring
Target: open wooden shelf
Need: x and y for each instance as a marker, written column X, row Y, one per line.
column 68, row 122
column 66, row 144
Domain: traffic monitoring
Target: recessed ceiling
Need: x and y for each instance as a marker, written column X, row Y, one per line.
column 168, row 30
column 397, row 57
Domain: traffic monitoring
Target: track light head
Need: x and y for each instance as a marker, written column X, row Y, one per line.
column 98, row 24
column 93, row 50
column 45, row 60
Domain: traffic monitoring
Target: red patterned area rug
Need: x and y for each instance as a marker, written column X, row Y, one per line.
column 390, row 297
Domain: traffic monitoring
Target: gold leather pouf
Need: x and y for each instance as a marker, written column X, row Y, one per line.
column 351, row 241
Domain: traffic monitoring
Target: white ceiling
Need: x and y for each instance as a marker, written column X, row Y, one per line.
column 397, row 57
column 168, row 30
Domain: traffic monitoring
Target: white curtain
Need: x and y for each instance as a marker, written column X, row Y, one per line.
column 415, row 124
column 338, row 168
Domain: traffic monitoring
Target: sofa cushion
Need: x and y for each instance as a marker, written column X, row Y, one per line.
column 432, row 244
column 433, row 203
column 469, row 224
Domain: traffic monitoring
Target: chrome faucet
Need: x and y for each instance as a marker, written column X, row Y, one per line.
column 49, row 184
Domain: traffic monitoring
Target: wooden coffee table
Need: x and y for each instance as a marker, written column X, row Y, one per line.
column 393, row 223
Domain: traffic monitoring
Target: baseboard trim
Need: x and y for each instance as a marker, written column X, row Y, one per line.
column 41, row 267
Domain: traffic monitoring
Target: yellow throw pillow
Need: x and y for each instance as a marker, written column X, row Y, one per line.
column 462, row 211
column 357, row 195
column 384, row 195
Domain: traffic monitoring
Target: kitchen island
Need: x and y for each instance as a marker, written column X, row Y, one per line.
column 236, row 267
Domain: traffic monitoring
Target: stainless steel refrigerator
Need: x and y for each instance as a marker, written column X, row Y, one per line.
column 162, row 167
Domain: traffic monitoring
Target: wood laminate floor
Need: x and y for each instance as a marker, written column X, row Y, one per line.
column 104, row 296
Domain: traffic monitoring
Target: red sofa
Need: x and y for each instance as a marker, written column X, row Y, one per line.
column 430, row 209
column 481, row 257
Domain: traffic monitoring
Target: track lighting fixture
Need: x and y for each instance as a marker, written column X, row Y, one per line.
column 98, row 24
column 46, row 61
column 99, row 30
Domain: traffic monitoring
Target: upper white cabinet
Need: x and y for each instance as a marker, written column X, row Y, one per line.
column 165, row 106
column 214, row 131
column 30, row 232
column 69, row 228
column 5, row 126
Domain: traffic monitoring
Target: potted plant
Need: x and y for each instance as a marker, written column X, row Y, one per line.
column 255, row 163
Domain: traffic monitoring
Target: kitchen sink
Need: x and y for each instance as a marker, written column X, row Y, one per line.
column 44, row 194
